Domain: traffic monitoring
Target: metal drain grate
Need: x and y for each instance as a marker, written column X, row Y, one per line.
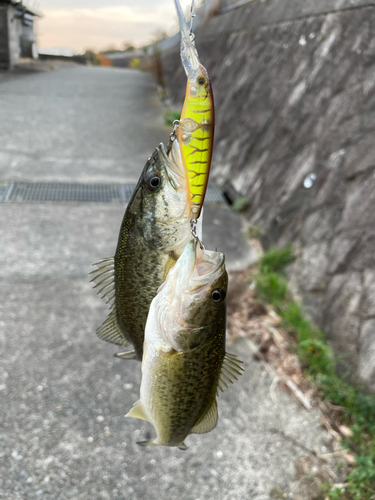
column 5, row 190
column 104, row 193
column 65, row 192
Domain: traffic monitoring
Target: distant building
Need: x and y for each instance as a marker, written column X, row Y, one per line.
column 17, row 36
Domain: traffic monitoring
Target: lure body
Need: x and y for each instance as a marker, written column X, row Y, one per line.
column 196, row 127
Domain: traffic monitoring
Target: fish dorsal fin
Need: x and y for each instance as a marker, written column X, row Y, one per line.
column 104, row 279
column 110, row 331
column 137, row 411
column 208, row 421
column 230, row 369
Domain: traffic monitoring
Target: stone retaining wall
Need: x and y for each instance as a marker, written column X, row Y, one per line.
column 294, row 86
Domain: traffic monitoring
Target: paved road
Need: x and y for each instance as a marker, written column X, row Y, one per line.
column 64, row 395
column 87, row 123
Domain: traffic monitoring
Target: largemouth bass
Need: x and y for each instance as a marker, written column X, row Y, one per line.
column 196, row 127
column 184, row 360
column 154, row 232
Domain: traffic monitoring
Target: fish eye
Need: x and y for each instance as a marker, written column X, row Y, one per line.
column 201, row 80
column 218, row 296
column 153, row 181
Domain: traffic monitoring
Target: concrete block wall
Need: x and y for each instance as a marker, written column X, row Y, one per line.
column 4, row 45
column 294, row 86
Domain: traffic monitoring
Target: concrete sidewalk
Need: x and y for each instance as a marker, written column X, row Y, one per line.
column 64, row 395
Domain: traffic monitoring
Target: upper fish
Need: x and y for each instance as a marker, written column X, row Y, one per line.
column 196, row 127
column 184, row 359
column 154, row 232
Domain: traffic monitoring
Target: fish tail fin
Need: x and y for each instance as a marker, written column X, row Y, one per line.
column 182, row 446
column 147, row 443
column 126, row 355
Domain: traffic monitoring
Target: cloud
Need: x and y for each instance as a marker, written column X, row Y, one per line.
column 91, row 25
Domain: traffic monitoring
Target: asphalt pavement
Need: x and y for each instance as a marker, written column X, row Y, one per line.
column 62, row 393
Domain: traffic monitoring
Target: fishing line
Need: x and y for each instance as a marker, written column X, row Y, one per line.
column 193, row 16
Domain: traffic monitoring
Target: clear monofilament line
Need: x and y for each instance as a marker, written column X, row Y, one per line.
column 193, row 16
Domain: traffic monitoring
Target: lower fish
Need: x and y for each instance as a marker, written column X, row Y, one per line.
column 154, row 232
column 184, row 359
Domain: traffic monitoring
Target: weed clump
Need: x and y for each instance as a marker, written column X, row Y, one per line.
column 319, row 363
column 241, row 204
column 171, row 115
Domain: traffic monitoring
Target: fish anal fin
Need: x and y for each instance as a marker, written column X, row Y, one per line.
column 208, row 421
column 137, row 411
column 183, row 447
column 126, row 355
column 110, row 331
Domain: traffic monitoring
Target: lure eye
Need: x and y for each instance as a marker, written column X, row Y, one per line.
column 218, row 296
column 201, row 80
column 153, row 181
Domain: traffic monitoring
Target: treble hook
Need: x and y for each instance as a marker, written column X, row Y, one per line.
column 193, row 228
column 173, row 135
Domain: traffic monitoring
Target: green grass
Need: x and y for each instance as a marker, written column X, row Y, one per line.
column 319, row 364
column 240, row 204
column 171, row 115
column 276, row 259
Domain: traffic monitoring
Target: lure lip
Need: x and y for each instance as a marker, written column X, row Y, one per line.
column 189, row 55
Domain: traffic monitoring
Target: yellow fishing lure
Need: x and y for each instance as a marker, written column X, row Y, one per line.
column 196, row 127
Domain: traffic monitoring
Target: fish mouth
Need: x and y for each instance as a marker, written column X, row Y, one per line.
column 189, row 55
column 196, row 269
column 173, row 165
column 188, row 283
column 209, row 266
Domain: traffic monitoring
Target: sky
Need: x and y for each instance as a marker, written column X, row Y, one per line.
column 98, row 24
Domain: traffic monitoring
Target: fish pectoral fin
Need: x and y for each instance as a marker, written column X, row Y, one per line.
column 137, row 411
column 208, row 421
column 230, row 369
column 110, row 331
column 172, row 259
column 126, row 355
